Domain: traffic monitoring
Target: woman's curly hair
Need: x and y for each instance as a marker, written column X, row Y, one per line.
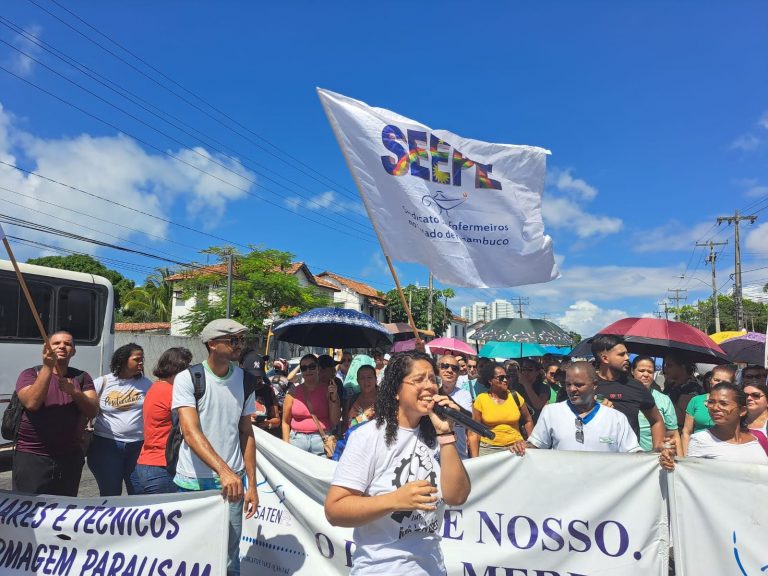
column 400, row 365
column 120, row 357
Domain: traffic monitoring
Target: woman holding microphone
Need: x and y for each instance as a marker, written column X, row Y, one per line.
column 389, row 484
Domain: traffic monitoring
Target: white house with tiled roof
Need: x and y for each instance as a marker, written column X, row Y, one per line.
column 182, row 306
column 355, row 295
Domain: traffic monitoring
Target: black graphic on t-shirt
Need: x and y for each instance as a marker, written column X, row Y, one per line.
column 419, row 466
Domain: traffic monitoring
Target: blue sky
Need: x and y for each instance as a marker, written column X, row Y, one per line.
column 656, row 114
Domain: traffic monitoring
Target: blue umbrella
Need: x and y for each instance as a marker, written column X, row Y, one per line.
column 333, row 328
column 511, row 350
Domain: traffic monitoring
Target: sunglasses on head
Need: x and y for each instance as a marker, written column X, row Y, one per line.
column 308, row 367
column 447, row 366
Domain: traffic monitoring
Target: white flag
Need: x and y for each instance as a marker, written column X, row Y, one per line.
column 470, row 211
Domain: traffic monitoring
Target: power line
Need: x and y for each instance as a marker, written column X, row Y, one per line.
column 360, row 227
column 186, row 100
column 179, row 159
column 143, row 103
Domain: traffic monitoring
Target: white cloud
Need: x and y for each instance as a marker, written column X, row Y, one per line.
column 756, row 191
column 116, row 168
column 564, row 182
column 764, row 120
column 20, row 63
column 327, row 201
column 757, row 238
column 567, row 214
column 587, row 318
column 745, row 142
column 671, row 236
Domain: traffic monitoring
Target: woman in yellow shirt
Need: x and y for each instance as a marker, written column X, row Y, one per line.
column 502, row 411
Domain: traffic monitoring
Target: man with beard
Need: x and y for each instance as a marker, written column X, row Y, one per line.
column 581, row 423
column 627, row 395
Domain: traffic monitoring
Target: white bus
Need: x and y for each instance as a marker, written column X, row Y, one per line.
column 79, row 303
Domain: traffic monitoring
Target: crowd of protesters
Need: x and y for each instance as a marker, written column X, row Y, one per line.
column 120, row 423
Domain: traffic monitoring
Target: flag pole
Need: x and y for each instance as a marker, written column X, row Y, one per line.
column 403, row 301
column 28, row 296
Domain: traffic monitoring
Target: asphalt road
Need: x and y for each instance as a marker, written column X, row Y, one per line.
column 88, row 485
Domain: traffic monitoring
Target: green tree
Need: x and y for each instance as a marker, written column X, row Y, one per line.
column 150, row 302
column 260, row 289
column 701, row 314
column 89, row 265
column 419, row 303
column 575, row 337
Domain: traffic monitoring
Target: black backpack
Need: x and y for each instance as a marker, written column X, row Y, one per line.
column 9, row 428
column 175, row 437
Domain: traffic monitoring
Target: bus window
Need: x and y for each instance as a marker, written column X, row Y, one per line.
column 76, row 313
column 16, row 320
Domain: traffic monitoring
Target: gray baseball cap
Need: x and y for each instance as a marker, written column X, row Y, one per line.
column 221, row 327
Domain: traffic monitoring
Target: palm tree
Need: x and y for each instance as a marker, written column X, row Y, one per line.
column 151, row 302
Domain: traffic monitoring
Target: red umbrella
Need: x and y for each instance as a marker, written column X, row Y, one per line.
column 656, row 337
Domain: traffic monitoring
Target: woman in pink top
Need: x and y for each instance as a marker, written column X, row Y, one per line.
column 152, row 476
column 312, row 396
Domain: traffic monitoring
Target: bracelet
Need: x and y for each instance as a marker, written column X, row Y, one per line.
column 443, row 440
column 451, row 433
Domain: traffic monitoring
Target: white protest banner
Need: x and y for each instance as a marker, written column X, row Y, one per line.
column 468, row 210
column 159, row 535
column 546, row 514
column 719, row 515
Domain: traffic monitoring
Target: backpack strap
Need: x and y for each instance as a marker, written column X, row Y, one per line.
column 197, row 371
column 761, row 438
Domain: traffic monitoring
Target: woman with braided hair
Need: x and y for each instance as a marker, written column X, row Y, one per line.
column 397, row 473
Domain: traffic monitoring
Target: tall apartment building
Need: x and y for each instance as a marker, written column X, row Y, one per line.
column 487, row 312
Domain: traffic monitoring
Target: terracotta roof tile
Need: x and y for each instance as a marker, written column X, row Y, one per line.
column 141, row 326
column 353, row 285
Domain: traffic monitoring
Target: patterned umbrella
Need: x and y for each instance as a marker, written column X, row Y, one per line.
column 748, row 348
column 530, row 330
column 333, row 328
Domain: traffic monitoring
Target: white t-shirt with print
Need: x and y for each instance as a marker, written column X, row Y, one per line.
column 121, row 402
column 607, row 431
column 403, row 542
column 220, row 410
column 704, row 444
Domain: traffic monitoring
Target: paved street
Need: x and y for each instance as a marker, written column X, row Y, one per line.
column 88, row 485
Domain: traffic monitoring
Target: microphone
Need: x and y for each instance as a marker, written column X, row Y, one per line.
column 464, row 420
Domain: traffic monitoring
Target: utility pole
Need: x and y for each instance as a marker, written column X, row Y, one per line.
column 711, row 259
column 429, row 304
column 677, row 299
column 229, row 282
column 520, row 302
column 735, row 219
column 666, row 310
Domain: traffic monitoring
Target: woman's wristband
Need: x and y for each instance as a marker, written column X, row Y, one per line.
column 443, row 439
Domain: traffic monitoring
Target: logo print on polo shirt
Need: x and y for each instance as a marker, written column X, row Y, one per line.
column 123, row 400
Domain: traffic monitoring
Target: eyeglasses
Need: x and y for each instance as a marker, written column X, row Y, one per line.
column 579, row 430
column 719, row 403
column 751, row 377
column 308, row 367
column 501, row 378
column 233, row 341
column 754, row 395
column 447, row 366
column 422, row 381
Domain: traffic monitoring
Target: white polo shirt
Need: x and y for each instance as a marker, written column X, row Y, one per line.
column 607, row 431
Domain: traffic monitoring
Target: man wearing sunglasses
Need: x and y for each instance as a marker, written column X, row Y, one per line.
column 219, row 450
column 581, row 423
column 448, row 369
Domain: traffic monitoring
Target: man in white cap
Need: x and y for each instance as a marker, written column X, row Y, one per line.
column 219, row 449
